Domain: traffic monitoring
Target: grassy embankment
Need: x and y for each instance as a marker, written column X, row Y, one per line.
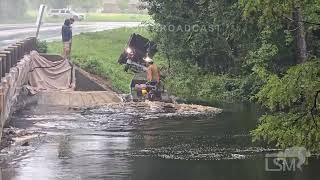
column 98, row 53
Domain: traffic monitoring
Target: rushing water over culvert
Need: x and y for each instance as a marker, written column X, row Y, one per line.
column 141, row 142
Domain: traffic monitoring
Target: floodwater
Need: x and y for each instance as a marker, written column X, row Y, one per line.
column 142, row 144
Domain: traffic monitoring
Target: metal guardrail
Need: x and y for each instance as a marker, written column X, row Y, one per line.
column 11, row 55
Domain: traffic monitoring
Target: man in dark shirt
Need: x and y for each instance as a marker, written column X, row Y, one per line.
column 66, row 38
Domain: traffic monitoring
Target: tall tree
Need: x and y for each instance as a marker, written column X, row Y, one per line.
column 292, row 96
column 292, row 13
column 300, row 34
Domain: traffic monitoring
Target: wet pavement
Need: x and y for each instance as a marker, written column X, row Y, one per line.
column 140, row 142
column 11, row 33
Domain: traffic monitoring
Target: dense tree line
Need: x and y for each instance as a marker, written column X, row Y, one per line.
column 264, row 51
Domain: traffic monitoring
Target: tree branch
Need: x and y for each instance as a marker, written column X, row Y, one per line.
column 306, row 22
column 314, row 109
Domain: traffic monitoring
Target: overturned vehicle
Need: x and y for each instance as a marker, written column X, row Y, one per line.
column 137, row 50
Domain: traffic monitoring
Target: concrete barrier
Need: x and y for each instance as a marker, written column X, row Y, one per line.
column 14, row 67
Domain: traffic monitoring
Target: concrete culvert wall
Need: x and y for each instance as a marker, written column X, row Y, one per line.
column 86, row 83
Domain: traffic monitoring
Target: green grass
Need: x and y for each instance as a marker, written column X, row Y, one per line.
column 98, row 53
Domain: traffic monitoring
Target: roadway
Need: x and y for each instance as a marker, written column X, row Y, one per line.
column 11, row 33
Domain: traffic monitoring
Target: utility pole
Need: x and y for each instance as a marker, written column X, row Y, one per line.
column 39, row 18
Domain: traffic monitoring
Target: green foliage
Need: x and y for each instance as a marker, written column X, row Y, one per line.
column 274, row 10
column 190, row 82
column 282, row 131
column 251, row 85
column 300, row 82
column 262, row 55
column 93, row 65
column 42, row 46
column 291, row 101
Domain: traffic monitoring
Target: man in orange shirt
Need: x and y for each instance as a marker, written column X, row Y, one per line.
column 153, row 73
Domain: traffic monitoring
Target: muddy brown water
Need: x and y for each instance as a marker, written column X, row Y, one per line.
column 141, row 143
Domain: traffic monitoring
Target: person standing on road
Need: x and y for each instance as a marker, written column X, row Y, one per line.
column 66, row 38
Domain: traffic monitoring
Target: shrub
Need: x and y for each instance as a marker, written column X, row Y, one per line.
column 42, row 46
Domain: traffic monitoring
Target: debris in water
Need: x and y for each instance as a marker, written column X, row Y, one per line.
column 167, row 107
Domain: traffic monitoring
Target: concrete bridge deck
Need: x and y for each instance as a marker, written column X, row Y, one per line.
column 77, row 98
